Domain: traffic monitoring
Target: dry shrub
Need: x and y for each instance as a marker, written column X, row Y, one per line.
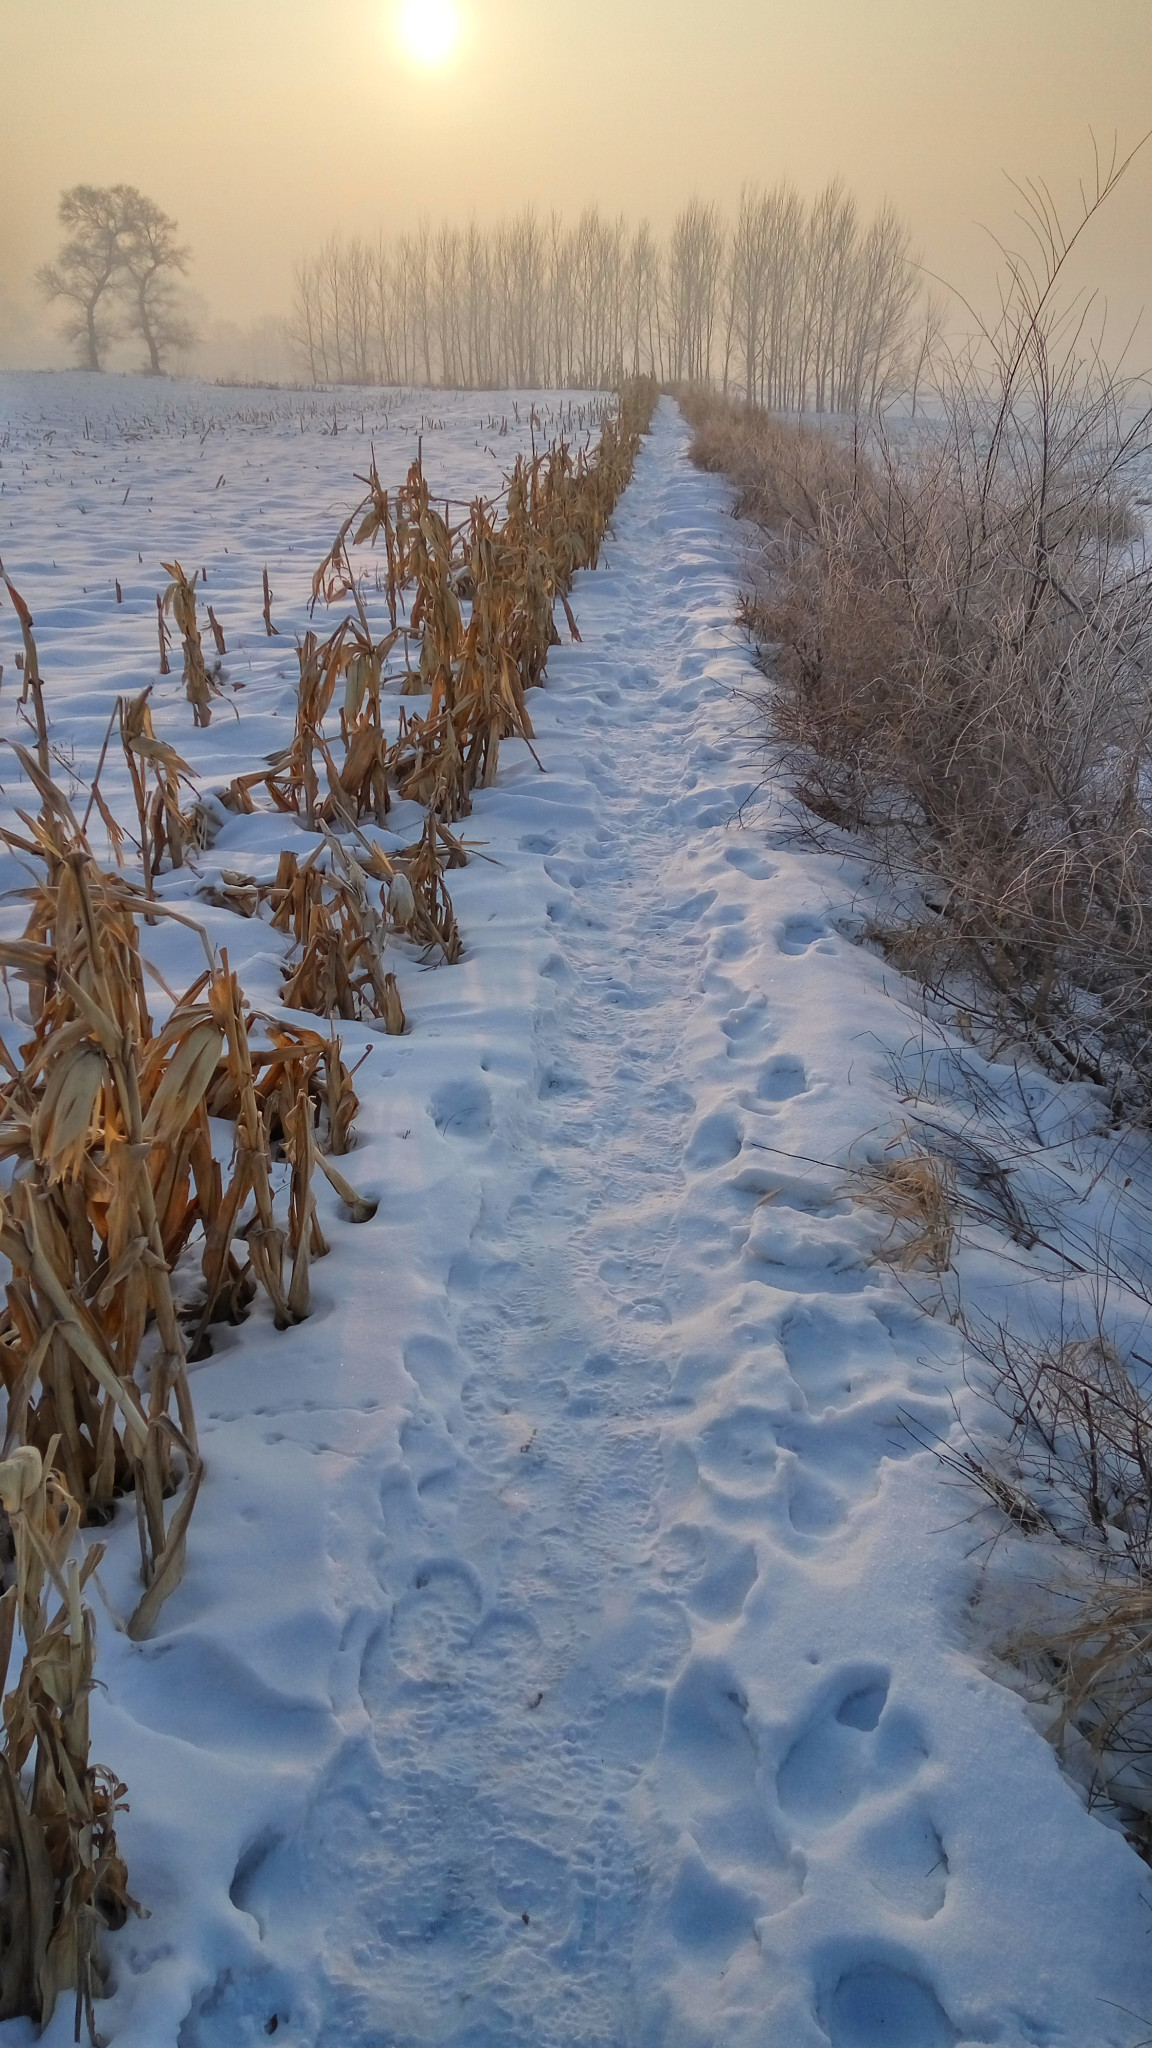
column 1070, row 1458
column 785, row 474
column 960, row 621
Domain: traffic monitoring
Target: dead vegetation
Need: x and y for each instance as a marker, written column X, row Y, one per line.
column 916, row 1191
column 1060, row 1443
column 115, row 1179
column 129, row 1232
column 509, row 573
column 958, row 623
column 64, row 1876
column 179, row 601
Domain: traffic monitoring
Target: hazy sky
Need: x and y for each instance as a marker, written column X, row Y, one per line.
column 261, row 124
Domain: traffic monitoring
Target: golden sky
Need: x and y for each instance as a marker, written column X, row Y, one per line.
column 261, row 124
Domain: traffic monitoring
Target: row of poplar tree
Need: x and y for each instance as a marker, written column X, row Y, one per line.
column 795, row 305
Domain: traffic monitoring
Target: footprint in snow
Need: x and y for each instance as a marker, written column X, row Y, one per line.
column 712, row 1571
column 799, row 934
column 854, row 1749
column 708, row 1915
column 781, row 1079
column 431, row 1461
column 710, row 1759
column 564, row 1081
column 715, row 1141
column 433, row 1620
column 749, row 862
column 873, row 2005
column 438, row 1634
column 836, row 1355
column 906, row 1861
column 689, row 909
column 729, row 944
column 252, row 2007
column 737, row 1452
column 749, row 1021
column 836, row 1458
column 462, row 1109
column 800, row 1236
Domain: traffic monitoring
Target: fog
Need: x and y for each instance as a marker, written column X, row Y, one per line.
column 264, row 124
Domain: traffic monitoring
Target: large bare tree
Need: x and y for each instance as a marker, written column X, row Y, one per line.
column 89, row 266
column 151, row 260
column 116, row 273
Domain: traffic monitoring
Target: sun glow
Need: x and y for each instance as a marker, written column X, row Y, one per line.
column 429, row 31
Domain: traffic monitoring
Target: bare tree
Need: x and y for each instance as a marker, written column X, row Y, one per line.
column 747, row 287
column 446, row 252
column 926, row 344
column 150, row 254
column 695, row 257
column 89, row 265
column 801, row 306
column 303, row 326
column 642, row 283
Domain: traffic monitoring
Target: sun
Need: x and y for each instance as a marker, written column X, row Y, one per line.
column 429, row 31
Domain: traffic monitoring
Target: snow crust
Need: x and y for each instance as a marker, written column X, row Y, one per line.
column 572, row 1650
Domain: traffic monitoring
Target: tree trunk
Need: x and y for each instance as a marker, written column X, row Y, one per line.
column 146, row 330
column 93, row 362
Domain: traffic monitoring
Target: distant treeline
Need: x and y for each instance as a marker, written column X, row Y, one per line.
column 797, row 306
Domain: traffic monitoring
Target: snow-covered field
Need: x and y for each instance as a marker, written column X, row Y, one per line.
column 574, row 1649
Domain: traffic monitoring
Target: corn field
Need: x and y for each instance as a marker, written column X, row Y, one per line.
column 129, row 1229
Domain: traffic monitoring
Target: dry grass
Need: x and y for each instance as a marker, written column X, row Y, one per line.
column 916, row 1190
column 786, row 474
column 959, row 625
column 1069, row 1458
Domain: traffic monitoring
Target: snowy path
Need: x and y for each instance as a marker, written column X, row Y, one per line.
column 516, row 1688
column 659, row 1732
column 571, row 1653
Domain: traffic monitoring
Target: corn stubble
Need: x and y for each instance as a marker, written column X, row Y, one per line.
column 65, row 1876
column 106, row 1115
column 179, row 602
column 107, row 1121
column 476, row 672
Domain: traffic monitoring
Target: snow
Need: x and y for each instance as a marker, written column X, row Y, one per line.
column 574, row 1647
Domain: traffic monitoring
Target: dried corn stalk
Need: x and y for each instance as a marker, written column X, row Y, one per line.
column 475, row 670
column 163, row 826
column 64, row 1877
column 180, row 603
column 33, row 681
